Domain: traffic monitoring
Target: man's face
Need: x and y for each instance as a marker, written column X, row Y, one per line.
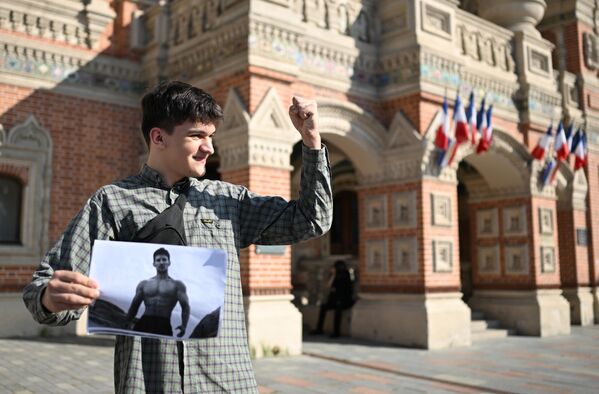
column 161, row 263
column 188, row 148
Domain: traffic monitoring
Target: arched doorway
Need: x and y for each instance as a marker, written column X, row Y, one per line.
column 312, row 260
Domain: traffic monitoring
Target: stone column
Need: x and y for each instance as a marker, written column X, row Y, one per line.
column 255, row 152
column 409, row 254
column 573, row 251
column 516, row 271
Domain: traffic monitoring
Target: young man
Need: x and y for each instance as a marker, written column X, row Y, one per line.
column 160, row 294
column 179, row 122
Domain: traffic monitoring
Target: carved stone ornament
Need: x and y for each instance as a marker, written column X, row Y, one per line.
column 404, row 209
column 376, row 212
column 486, row 223
column 514, row 221
column 441, row 210
column 548, row 264
column 591, row 50
column 30, row 134
column 442, row 256
column 376, row 256
column 436, row 20
column 516, row 259
column 488, row 260
column 546, row 221
column 405, row 255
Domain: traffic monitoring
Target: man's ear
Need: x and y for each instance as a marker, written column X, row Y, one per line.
column 157, row 137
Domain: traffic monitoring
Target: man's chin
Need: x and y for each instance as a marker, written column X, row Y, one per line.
column 198, row 173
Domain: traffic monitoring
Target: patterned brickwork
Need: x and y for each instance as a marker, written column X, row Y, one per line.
column 501, row 279
column 93, row 144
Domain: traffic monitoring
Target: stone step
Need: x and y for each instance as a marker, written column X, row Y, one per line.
column 482, row 325
column 494, row 333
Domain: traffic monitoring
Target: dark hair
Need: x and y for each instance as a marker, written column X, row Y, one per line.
column 340, row 265
column 162, row 252
column 173, row 103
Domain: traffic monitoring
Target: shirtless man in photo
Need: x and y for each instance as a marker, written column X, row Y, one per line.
column 160, row 295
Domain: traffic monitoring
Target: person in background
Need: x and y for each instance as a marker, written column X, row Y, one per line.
column 340, row 297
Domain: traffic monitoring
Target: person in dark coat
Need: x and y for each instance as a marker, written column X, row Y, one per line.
column 340, row 297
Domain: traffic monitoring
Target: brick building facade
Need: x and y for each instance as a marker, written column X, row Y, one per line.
column 427, row 245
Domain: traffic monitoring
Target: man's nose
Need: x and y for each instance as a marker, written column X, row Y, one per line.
column 207, row 147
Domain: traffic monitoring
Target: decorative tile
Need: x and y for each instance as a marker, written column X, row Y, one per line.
column 441, row 210
column 514, row 221
column 486, row 223
column 404, row 209
column 442, row 256
column 376, row 212
column 405, row 255
column 376, row 256
column 516, row 259
column 488, row 259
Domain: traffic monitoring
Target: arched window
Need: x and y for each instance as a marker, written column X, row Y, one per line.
column 11, row 192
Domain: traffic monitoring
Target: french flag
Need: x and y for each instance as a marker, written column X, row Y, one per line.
column 561, row 143
column 442, row 136
column 481, row 120
column 471, row 117
column 460, row 121
column 580, row 153
column 446, row 157
column 549, row 172
column 539, row 151
column 487, row 132
column 570, row 137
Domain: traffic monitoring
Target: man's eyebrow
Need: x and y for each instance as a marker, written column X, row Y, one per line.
column 201, row 131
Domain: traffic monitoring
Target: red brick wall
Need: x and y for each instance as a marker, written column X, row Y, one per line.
column 94, row 144
column 544, row 280
column 593, row 216
column 14, row 277
column 574, row 258
column 263, row 274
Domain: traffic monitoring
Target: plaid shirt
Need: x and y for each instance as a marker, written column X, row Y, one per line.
column 237, row 218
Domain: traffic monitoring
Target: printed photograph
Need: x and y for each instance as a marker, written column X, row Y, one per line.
column 156, row 290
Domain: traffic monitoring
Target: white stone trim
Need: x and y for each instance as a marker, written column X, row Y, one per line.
column 29, row 145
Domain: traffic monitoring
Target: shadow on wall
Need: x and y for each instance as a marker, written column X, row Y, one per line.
column 69, row 91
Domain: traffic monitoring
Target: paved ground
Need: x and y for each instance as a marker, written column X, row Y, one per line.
column 567, row 364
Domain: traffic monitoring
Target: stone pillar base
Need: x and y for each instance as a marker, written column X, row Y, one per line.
column 430, row 321
column 310, row 319
column 274, row 325
column 17, row 321
column 581, row 305
column 534, row 312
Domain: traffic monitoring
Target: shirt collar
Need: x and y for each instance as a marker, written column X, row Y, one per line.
column 154, row 178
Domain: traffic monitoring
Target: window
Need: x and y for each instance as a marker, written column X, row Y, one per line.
column 11, row 192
